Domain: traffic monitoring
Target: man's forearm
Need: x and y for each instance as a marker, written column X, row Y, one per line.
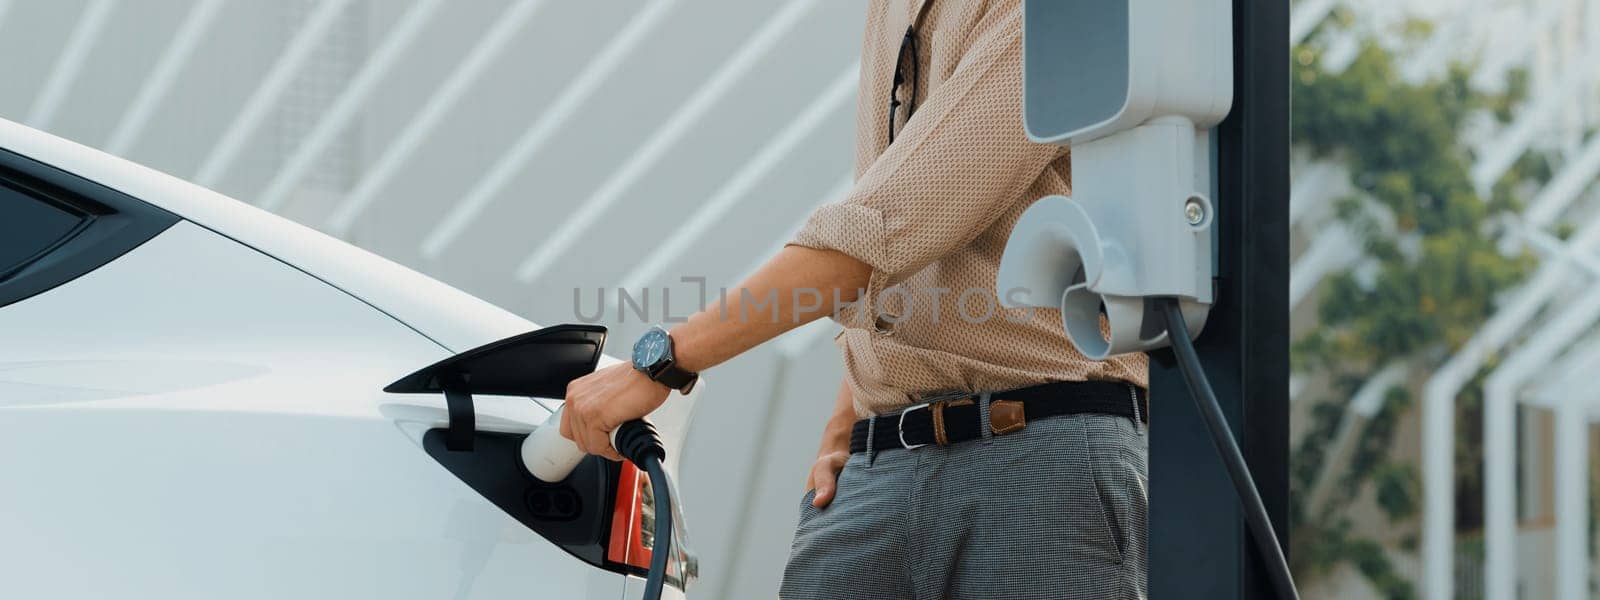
column 795, row 287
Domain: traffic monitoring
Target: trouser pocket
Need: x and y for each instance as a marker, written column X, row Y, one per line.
column 1107, row 475
column 806, row 509
column 1117, row 461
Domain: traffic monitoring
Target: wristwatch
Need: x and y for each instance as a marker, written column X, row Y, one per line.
column 652, row 355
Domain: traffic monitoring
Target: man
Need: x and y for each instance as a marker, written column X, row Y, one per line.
column 1031, row 484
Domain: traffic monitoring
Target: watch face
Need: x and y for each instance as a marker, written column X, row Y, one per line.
column 650, row 350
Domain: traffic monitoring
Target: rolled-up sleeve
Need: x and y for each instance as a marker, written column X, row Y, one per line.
column 959, row 163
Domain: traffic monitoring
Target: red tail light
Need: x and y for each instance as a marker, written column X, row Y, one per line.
column 632, row 519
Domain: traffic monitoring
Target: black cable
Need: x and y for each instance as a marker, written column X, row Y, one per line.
column 661, row 547
column 637, row 441
column 1205, row 398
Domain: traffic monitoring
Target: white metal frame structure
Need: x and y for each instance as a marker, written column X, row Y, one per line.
column 1575, row 410
column 1499, row 425
column 1558, row 79
column 1508, row 324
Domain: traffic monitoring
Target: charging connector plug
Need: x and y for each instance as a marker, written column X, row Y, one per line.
column 638, row 442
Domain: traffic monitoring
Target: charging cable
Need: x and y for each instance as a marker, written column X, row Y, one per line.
column 1205, row 398
column 551, row 457
column 637, row 441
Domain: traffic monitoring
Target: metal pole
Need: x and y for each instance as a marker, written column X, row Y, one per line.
column 1573, row 403
column 1198, row 544
column 1500, row 440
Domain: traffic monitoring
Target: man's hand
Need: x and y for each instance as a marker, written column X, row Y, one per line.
column 834, row 450
column 824, row 477
column 601, row 401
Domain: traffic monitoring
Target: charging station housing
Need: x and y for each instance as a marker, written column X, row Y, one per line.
column 1134, row 88
column 1096, row 70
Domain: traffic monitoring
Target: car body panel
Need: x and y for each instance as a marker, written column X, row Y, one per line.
column 453, row 318
column 203, row 417
column 146, row 453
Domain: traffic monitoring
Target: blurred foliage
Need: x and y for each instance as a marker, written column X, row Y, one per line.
column 1399, row 142
column 1398, row 492
column 1428, row 279
column 1516, row 92
column 1338, row 545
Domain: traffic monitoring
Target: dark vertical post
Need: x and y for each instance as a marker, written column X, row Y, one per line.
column 1199, row 546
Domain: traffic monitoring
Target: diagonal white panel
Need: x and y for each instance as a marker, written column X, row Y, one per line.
column 260, row 102
column 159, row 82
column 1361, row 407
column 1501, row 153
column 834, row 194
column 1552, row 248
column 572, row 98
column 802, row 338
column 1305, row 16
column 1565, row 187
column 345, row 106
column 439, row 105
column 67, row 66
column 1333, row 249
column 1314, row 186
column 577, row 224
column 837, row 94
column 1494, row 65
column 1444, row 44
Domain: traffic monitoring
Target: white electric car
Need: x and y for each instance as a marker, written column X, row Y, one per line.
column 192, row 405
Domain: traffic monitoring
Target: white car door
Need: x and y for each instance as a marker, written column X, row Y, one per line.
column 182, row 416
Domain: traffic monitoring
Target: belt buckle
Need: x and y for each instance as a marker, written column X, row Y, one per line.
column 902, row 426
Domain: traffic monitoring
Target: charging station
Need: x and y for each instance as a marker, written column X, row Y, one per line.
column 1178, row 117
column 1245, row 345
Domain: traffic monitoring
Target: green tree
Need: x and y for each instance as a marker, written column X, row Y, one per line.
column 1429, row 279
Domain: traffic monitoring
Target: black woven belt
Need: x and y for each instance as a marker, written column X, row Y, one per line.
column 950, row 420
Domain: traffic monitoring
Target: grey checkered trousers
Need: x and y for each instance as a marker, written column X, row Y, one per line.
column 1054, row 511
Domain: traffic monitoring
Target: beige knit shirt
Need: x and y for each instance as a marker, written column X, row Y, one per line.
column 932, row 211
